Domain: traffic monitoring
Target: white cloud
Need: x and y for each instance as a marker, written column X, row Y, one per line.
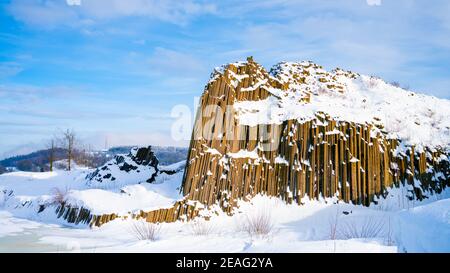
column 171, row 61
column 31, row 93
column 165, row 10
column 45, row 14
column 382, row 41
column 168, row 65
column 9, row 69
column 373, row 2
column 73, row 2
column 53, row 13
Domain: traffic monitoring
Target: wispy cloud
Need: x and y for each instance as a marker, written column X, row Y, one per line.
column 47, row 14
column 31, row 123
column 23, row 93
column 9, row 69
column 175, row 62
column 395, row 40
column 54, row 13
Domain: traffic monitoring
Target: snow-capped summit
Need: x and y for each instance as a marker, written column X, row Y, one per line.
column 299, row 90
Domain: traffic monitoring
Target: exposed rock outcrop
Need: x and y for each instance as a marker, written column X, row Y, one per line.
column 299, row 132
column 315, row 155
column 140, row 165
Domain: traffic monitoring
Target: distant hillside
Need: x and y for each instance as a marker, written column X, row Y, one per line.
column 165, row 155
column 170, row 155
column 39, row 160
column 36, row 161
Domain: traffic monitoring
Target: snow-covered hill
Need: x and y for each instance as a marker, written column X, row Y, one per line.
column 38, row 195
column 139, row 165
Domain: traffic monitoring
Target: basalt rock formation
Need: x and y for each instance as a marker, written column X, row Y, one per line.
column 312, row 155
column 299, row 132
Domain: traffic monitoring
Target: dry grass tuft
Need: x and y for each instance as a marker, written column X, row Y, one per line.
column 145, row 231
column 370, row 227
column 259, row 224
column 201, row 227
column 59, row 195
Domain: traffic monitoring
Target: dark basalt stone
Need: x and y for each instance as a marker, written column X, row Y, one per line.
column 139, row 156
column 41, row 208
column 145, row 156
column 127, row 167
column 119, row 159
column 169, row 172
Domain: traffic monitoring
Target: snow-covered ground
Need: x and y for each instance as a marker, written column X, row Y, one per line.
column 22, row 193
column 393, row 225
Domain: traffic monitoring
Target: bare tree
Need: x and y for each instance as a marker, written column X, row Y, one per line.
column 69, row 137
column 51, row 152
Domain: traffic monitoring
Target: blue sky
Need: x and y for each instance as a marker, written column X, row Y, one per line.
column 113, row 69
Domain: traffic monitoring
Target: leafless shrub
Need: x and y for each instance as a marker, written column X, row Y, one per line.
column 201, row 227
column 397, row 84
column 372, row 82
column 144, row 230
column 333, row 222
column 59, row 195
column 370, row 227
column 259, row 224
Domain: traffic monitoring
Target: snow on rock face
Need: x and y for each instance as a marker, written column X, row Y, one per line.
column 414, row 118
column 132, row 197
column 337, row 127
column 140, row 165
